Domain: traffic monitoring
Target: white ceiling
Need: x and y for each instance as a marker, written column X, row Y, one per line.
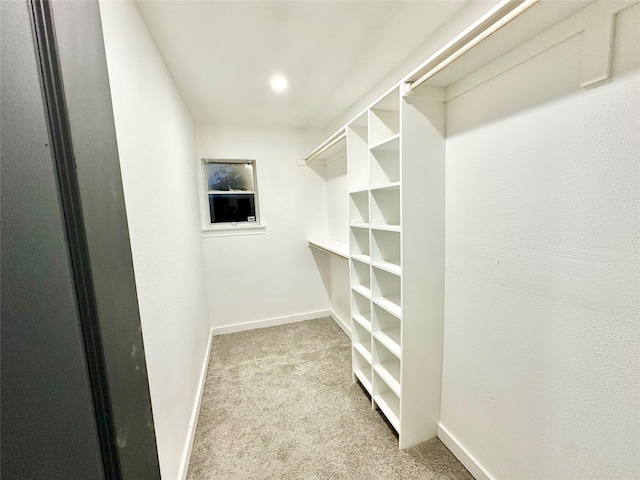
column 221, row 54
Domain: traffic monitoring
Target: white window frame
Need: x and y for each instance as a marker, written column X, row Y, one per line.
column 228, row 228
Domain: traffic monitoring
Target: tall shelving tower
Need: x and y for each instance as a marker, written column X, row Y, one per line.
column 395, row 157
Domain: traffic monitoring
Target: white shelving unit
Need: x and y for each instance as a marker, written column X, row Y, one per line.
column 330, row 161
column 395, row 158
column 395, row 161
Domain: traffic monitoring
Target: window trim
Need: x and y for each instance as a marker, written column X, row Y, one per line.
column 224, row 229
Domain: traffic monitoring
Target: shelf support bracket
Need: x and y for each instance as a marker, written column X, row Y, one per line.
column 597, row 50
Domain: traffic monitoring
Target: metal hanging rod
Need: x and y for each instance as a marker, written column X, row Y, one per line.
column 327, row 144
column 482, row 28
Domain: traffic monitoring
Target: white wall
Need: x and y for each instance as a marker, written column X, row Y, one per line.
column 155, row 142
column 542, row 304
column 273, row 276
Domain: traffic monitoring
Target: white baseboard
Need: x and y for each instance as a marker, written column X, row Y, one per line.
column 462, row 454
column 191, row 434
column 341, row 323
column 270, row 322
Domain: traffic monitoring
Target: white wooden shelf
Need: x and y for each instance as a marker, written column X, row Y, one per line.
column 362, row 258
column 362, row 320
column 364, row 380
column 391, row 143
column 386, row 251
column 359, row 207
column 387, row 228
column 361, row 278
column 384, row 119
column 384, row 166
column 388, row 373
column 366, row 259
column 359, row 245
column 361, row 310
column 390, row 227
column 362, row 368
column 388, row 267
column 328, row 245
column 366, row 354
column 389, row 403
column 364, row 291
column 386, row 186
column 385, row 206
column 390, row 305
column 391, row 340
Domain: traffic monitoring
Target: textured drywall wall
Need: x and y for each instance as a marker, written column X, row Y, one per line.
column 275, row 274
column 155, row 143
column 542, row 304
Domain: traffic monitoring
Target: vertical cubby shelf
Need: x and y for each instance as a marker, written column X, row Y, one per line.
column 395, row 164
column 386, row 328
column 385, row 207
column 362, row 370
column 385, row 250
column 359, row 244
column 359, row 208
column 386, row 291
column 361, row 309
column 361, row 340
column 387, row 401
column 361, row 278
column 387, row 366
column 385, row 163
column 384, row 119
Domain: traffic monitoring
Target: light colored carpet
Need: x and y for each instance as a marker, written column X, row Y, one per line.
column 279, row 403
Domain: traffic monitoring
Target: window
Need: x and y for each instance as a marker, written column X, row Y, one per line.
column 231, row 191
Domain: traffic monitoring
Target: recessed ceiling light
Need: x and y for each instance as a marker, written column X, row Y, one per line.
column 279, row 83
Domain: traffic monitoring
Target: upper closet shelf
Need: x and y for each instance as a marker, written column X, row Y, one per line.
column 328, row 245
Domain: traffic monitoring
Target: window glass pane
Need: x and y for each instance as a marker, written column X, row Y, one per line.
column 225, row 177
column 232, row 208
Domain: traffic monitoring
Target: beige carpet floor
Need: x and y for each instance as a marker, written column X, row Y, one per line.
column 279, row 403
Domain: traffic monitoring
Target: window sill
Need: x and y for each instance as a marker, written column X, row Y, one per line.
column 229, row 230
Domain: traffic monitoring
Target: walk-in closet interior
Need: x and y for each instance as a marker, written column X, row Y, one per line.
column 459, row 192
